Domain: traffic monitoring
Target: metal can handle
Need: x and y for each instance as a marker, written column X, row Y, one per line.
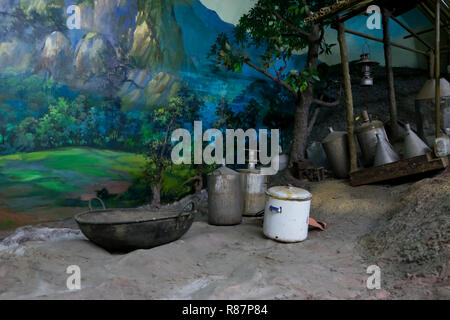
column 96, row 198
column 275, row 209
column 191, row 202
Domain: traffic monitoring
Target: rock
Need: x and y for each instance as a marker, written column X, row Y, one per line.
column 96, row 63
column 16, row 54
column 55, row 54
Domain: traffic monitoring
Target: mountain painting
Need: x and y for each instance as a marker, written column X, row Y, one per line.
column 77, row 104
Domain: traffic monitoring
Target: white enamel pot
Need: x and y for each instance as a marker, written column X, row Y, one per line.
column 286, row 214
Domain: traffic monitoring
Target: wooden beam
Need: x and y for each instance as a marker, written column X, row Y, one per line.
column 352, row 14
column 437, row 66
column 412, row 32
column 335, row 9
column 425, row 31
column 399, row 169
column 390, row 74
column 359, row 34
column 348, row 96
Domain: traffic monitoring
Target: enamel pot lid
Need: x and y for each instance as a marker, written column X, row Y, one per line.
column 289, row 193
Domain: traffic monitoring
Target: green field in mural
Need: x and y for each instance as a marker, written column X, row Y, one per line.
column 68, row 177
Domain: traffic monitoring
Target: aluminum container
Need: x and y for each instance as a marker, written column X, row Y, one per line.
column 225, row 200
column 254, row 187
column 442, row 146
column 336, row 148
column 366, row 134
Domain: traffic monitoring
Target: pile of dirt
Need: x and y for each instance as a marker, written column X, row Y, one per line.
column 416, row 234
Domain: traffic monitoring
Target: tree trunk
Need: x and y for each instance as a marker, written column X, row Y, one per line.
column 156, row 201
column 304, row 101
column 156, row 189
column 300, row 134
column 199, row 182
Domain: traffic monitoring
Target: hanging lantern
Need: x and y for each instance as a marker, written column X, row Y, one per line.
column 366, row 67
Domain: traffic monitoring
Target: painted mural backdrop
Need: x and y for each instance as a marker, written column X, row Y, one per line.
column 81, row 102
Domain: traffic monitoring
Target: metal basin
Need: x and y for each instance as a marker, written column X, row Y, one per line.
column 124, row 230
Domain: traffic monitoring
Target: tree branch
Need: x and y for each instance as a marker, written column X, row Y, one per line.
column 327, row 104
column 272, row 77
column 293, row 27
column 322, row 103
column 313, row 120
column 301, row 33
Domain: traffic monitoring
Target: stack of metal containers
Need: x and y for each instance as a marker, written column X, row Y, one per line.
column 232, row 194
column 376, row 149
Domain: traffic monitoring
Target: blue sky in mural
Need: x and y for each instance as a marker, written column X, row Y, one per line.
column 229, row 10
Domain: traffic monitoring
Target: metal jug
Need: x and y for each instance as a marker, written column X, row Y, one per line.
column 336, row 148
column 366, row 134
column 253, row 186
column 384, row 152
column 225, row 201
column 413, row 146
column 442, row 146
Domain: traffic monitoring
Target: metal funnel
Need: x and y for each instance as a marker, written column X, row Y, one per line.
column 384, row 153
column 429, row 89
column 413, row 145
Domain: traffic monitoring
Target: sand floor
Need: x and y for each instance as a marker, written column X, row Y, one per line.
column 235, row 262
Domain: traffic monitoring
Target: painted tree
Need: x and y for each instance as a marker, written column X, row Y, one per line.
column 277, row 26
column 165, row 120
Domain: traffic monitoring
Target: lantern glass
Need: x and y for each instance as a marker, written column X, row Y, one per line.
column 366, row 69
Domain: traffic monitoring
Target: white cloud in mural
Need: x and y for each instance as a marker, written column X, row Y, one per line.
column 229, row 10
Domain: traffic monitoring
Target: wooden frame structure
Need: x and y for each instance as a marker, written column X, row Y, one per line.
column 344, row 10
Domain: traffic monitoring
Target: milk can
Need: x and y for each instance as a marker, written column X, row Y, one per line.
column 254, row 186
column 366, row 133
column 442, row 146
column 224, row 197
column 336, row 148
column 286, row 214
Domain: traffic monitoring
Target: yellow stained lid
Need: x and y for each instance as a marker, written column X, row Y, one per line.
column 289, row 193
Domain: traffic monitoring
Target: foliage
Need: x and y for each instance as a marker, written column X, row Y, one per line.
column 174, row 115
column 276, row 26
column 38, row 114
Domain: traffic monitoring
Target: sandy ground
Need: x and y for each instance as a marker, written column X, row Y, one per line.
column 229, row 262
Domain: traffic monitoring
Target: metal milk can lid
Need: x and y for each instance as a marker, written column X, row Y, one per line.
column 289, row 193
column 333, row 135
column 224, row 171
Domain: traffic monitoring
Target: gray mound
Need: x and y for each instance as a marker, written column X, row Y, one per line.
column 416, row 234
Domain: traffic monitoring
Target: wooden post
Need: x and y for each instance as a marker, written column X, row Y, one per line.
column 348, row 96
column 437, row 66
column 390, row 74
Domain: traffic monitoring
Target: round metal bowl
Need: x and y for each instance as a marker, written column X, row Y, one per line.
column 124, row 230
